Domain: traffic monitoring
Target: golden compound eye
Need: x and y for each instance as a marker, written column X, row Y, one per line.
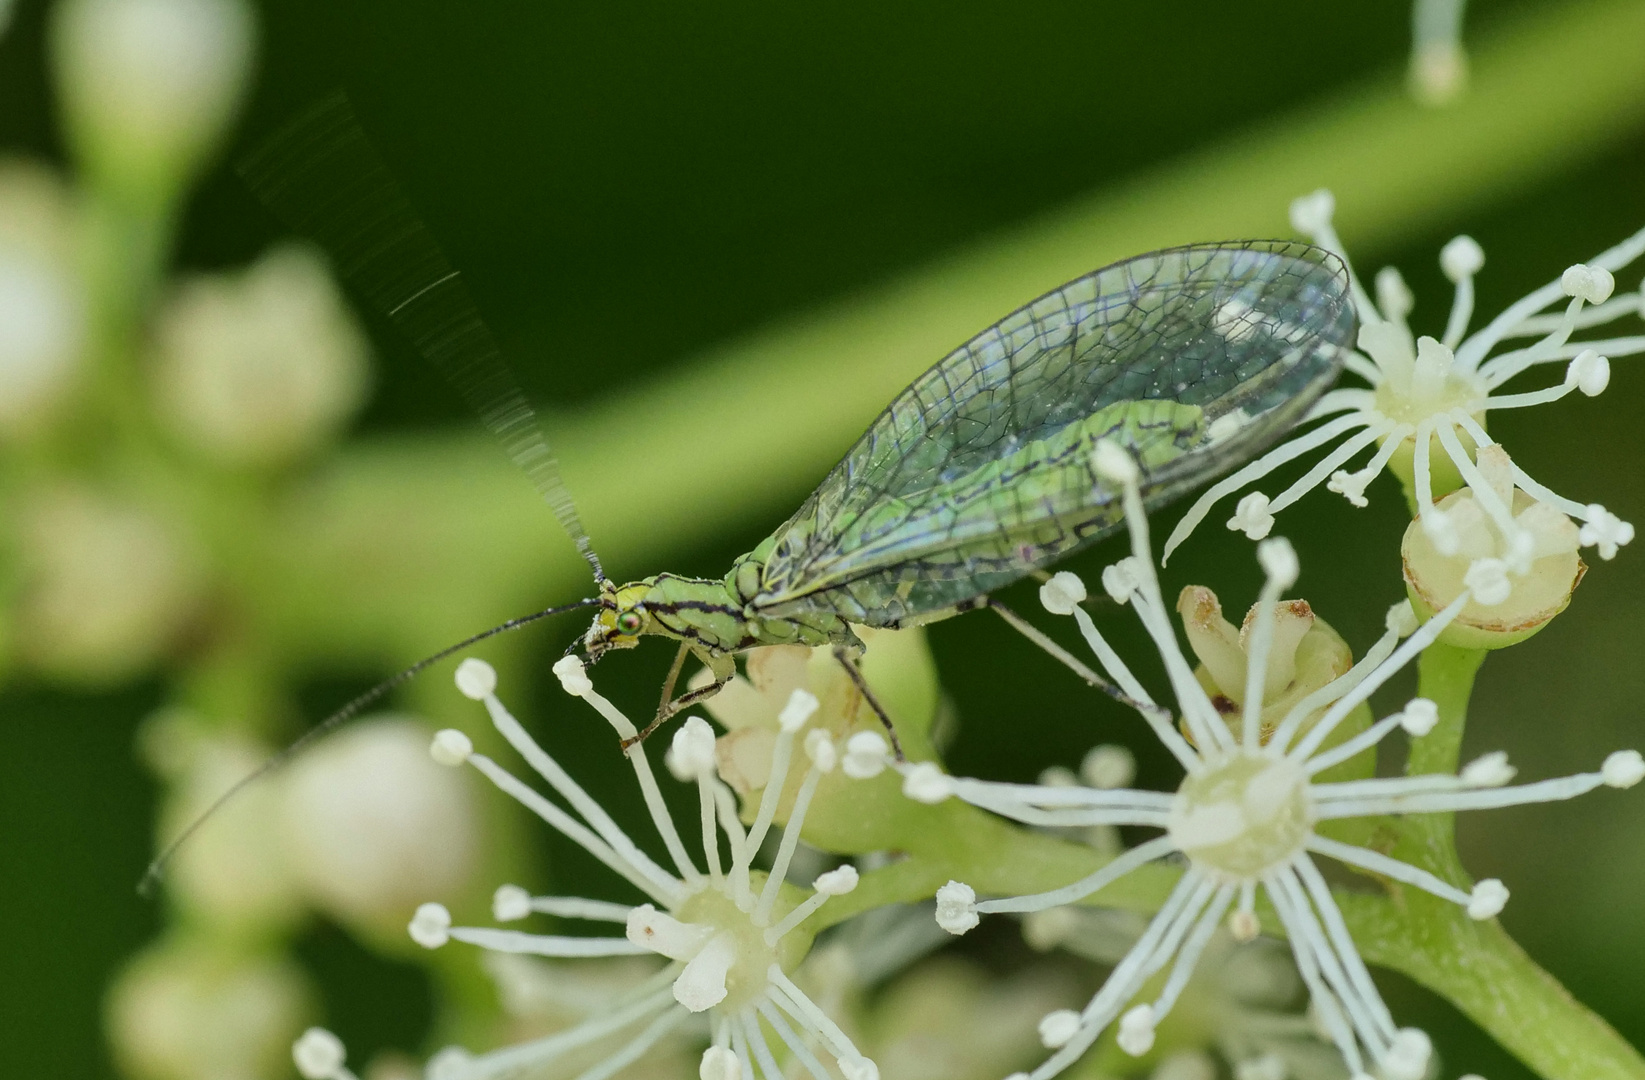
column 629, row 622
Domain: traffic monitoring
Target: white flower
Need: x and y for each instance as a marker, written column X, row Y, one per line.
column 42, row 318
column 723, row 932
column 148, row 86
column 371, row 824
column 258, row 367
column 1244, row 818
column 1425, row 407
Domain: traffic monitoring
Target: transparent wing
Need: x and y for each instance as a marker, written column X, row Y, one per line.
column 1198, row 357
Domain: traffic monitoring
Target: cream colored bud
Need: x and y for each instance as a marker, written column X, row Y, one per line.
column 186, row 1010
column 148, row 86
column 259, row 367
column 235, row 874
column 107, row 585
column 42, row 307
column 372, row 824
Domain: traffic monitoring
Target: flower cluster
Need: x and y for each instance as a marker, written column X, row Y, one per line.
column 1250, row 815
column 732, row 934
column 1427, row 399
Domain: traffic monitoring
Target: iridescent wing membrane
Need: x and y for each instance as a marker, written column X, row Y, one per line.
column 1195, row 358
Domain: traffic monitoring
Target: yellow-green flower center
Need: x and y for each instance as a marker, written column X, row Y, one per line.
column 1243, row 816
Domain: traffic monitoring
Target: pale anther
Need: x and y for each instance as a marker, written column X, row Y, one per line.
column 802, row 704
column 1108, row 766
column 573, row 678
column 1278, row 560
column 1487, row 579
column 1063, row 593
column 431, row 926
column 1136, row 1034
column 837, row 882
column 1604, row 531
column 1461, row 258
column 450, row 747
column 318, row 1054
column 819, row 748
column 1112, row 462
column 1121, row 579
column 865, row 755
column 1589, row 372
column 1243, row 925
column 957, row 907
column 1312, row 213
column 1488, row 899
column 1401, row 619
column 476, row 679
column 510, row 903
column 1623, row 769
column 1252, row 517
column 719, row 1063
column 691, row 756
column 1593, row 284
column 1419, row 717
column 925, row 782
column 1056, row 1028
column 1488, row 770
column 1407, row 1057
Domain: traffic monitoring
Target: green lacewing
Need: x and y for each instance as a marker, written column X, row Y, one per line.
column 980, row 472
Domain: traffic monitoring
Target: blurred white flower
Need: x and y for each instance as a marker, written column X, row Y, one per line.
column 1244, row 819
column 42, row 313
column 1428, row 399
column 258, row 367
column 148, row 86
column 106, row 585
column 234, row 875
column 191, row 1010
column 372, row 826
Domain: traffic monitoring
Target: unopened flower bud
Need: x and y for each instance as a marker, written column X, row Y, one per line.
column 41, row 302
column 260, row 367
column 372, row 824
column 148, row 86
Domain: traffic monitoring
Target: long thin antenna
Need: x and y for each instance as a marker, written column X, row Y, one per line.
column 157, row 868
column 322, row 176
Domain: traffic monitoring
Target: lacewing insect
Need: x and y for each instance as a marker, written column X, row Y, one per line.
column 1193, row 359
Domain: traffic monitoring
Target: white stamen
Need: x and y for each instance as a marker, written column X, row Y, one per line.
column 1592, row 284
column 802, row 705
column 925, row 782
column 1278, row 560
column 1056, row 1028
column 837, row 882
column 1487, row 900
column 476, row 679
column 431, row 926
column 1251, row 516
column 1112, row 462
column 820, row 751
column 1407, row 1057
column 1108, row 766
column 1136, row 1034
column 662, row 933
column 957, row 908
column 719, row 1063
column 318, row 1055
column 866, row 754
column 1488, row 770
column 1311, row 214
column 1063, row 593
column 701, row 985
column 1604, row 531
column 509, row 903
column 1122, row 579
column 573, row 678
column 1488, row 580
column 1419, row 717
column 691, row 756
column 1461, row 257
column 1623, row 769
column 1589, row 372
column 450, row 747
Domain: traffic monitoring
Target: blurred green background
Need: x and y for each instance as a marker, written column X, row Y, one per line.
column 675, row 216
